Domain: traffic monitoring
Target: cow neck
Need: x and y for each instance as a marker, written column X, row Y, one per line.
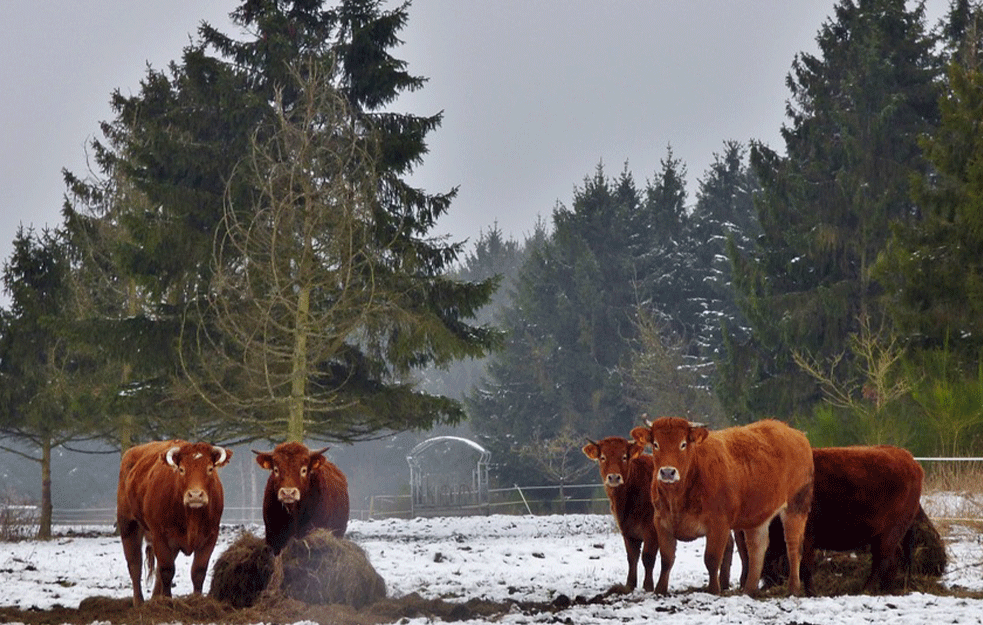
column 625, row 505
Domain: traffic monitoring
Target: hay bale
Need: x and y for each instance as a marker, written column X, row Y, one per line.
column 928, row 556
column 322, row 569
column 242, row 572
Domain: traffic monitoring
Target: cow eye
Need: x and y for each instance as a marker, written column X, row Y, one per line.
column 181, row 469
column 303, row 472
column 603, row 458
column 624, row 457
column 655, row 446
column 682, row 445
column 276, row 471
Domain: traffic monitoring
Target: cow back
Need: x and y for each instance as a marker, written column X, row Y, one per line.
column 749, row 472
column 860, row 492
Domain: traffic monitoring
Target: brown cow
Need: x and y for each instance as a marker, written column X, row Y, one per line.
column 627, row 475
column 304, row 492
column 862, row 496
column 708, row 483
column 170, row 494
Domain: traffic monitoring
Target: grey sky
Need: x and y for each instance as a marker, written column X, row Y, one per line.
column 535, row 93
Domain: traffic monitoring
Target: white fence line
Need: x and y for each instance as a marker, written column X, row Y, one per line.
column 378, row 509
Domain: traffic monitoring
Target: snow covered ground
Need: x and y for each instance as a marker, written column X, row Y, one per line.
column 509, row 557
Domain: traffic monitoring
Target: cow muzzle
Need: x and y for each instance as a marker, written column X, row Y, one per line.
column 613, row 480
column 668, row 475
column 195, row 498
column 288, row 496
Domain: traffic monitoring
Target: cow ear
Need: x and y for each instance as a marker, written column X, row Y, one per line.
column 698, row 434
column 264, row 459
column 642, row 434
column 221, row 456
column 591, row 451
column 635, row 450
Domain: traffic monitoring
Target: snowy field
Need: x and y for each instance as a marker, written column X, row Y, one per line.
column 503, row 558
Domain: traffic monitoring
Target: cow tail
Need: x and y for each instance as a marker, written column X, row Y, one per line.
column 150, row 562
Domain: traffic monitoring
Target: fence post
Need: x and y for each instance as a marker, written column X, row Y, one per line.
column 528, row 509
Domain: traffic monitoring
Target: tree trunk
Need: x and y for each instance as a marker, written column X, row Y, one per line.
column 298, row 383
column 44, row 523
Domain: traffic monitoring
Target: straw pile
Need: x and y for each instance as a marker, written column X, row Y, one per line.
column 317, row 569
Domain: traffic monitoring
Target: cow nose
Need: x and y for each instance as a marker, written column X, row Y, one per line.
column 289, row 495
column 669, row 475
column 614, row 479
column 196, row 498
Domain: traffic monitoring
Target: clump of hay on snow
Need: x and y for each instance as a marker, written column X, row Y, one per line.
column 317, row 569
column 322, row 569
column 242, row 572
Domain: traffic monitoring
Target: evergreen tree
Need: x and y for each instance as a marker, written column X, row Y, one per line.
column 180, row 141
column 723, row 218
column 42, row 401
column 933, row 271
column 851, row 147
column 569, row 326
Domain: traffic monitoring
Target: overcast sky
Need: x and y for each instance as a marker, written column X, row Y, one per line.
column 535, row 93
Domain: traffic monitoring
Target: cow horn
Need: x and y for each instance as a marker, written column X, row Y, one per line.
column 169, row 456
column 260, row 453
column 645, row 419
column 320, row 451
column 221, row 457
column 590, row 441
column 697, row 425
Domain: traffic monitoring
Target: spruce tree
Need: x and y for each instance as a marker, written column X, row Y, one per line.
column 826, row 208
column 180, row 142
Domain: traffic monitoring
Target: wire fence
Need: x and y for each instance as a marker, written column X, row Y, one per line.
column 957, row 504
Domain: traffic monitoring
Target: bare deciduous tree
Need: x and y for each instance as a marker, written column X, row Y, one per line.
column 299, row 276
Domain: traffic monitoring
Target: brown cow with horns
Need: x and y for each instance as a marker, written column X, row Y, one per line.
column 304, row 491
column 709, row 483
column 169, row 493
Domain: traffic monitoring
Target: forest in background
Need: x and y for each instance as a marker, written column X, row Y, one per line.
column 251, row 266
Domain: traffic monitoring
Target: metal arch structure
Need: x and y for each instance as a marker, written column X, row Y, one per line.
column 422, row 491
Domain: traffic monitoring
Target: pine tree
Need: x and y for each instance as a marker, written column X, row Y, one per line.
column 569, row 325
column 932, row 272
column 180, row 142
column 851, row 147
column 43, row 403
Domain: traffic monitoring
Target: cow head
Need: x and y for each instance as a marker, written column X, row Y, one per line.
column 291, row 465
column 673, row 442
column 195, row 464
column 613, row 454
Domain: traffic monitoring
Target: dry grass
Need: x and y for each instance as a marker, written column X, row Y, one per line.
column 948, row 477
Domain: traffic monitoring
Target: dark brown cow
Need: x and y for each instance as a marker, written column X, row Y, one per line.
column 304, row 492
column 170, row 494
column 863, row 496
column 708, row 483
column 627, row 476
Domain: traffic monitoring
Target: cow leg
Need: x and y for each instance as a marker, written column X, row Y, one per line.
column 632, row 548
column 808, row 565
column 741, row 545
column 667, row 551
column 649, row 552
column 199, row 565
column 726, row 562
column 795, row 526
column 756, row 541
column 165, row 570
column 132, row 538
column 883, row 562
column 713, row 557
